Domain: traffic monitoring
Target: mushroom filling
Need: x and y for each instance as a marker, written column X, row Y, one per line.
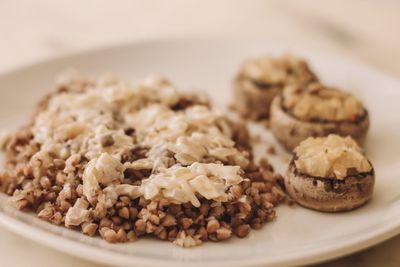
column 330, row 157
column 316, row 102
column 270, row 72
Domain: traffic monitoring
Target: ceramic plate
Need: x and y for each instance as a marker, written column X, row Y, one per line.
column 298, row 236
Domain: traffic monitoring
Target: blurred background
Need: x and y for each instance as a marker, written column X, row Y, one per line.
column 34, row 30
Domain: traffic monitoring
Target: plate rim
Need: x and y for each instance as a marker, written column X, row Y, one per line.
column 330, row 252
column 90, row 253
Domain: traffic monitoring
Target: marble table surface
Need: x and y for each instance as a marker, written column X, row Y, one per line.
column 34, row 30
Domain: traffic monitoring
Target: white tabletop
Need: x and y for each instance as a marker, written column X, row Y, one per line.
column 35, row 30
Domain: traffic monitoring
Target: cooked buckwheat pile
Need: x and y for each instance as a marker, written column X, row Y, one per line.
column 124, row 160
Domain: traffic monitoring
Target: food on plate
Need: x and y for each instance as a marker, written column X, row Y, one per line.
column 123, row 160
column 259, row 80
column 317, row 110
column 330, row 174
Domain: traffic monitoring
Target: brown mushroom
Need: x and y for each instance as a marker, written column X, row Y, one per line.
column 330, row 175
column 260, row 80
column 317, row 110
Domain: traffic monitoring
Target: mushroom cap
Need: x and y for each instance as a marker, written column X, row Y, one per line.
column 253, row 101
column 329, row 194
column 290, row 131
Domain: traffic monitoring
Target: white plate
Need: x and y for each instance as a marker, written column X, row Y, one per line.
column 298, row 236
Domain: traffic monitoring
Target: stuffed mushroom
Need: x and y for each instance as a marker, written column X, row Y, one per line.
column 260, row 80
column 330, row 174
column 317, row 110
